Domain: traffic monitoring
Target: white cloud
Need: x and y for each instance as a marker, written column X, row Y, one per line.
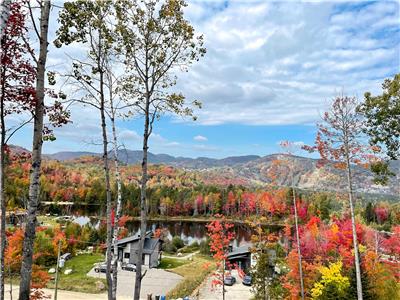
column 277, row 62
column 200, row 138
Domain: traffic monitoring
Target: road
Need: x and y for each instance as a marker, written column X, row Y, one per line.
column 238, row 291
column 156, row 282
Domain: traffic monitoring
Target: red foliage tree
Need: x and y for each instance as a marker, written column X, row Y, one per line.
column 221, row 235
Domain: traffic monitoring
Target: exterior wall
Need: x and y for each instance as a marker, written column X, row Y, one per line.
column 154, row 259
column 150, row 260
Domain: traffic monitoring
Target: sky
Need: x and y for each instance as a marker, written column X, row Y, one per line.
column 270, row 70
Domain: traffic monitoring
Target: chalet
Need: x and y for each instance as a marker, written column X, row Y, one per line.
column 244, row 259
column 128, row 250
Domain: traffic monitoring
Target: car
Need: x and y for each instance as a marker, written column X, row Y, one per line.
column 101, row 268
column 129, row 267
column 66, row 256
column 229, row 280
column 247, row 280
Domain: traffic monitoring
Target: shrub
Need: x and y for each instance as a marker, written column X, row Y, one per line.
column 169, row 247
column 205, row 247
column 178, row 242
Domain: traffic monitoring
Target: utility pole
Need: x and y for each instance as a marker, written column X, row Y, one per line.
column 58, row 263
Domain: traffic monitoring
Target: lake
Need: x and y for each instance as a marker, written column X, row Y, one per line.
column 188, row 231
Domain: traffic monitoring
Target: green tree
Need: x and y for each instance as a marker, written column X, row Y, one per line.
column 369, row 214
column 382, row 114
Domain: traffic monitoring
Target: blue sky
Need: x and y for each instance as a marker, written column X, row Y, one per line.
column 270, row 70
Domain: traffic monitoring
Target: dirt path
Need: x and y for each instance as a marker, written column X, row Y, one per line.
column 186, row 257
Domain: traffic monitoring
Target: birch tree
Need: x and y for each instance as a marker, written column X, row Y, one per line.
column 88, row 23
column 157, row 41
column 33, row 202
column 17, row 77
column 340, row 139
column 5, row 8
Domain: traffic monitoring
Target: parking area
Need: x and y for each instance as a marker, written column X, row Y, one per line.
column 238, row 291
column 156, row 282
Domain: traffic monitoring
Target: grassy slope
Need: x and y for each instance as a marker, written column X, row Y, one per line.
column 193, row 273
column 171, row 263
column 78, row 280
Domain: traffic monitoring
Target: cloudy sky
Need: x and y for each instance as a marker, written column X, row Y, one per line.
column 270, row 70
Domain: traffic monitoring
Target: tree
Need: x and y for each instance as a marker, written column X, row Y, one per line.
column 265, row 251
column 88, row 22
column 38, row 126
column 333, row 285
column 382, row 115
column 221, row 236
column 5, row 8
column 17, row 76
column 156, row 40
column 289, row 147
column 339, row 138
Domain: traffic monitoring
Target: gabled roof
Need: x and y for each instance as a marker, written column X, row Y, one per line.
column 239, row 251
column 132, row 238
column 149, row 242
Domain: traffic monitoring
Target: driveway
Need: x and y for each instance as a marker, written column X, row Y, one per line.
column 61, row 295
column 238, row 291
column 156, row 282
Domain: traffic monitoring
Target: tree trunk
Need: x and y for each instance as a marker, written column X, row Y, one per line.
column 2, row 198
column 143, row 204
column 118, row 205
column 33, row 202
column 353, row 225
column 296, row 221
column 106, row 174
column 5, row 8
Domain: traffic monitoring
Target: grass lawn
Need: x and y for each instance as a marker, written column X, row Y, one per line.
column 171, row 263
column 48, row 220
column 78, row 281
column 194, row 273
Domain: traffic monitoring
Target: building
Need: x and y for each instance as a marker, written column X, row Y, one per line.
column 128, row 250
column 243, row 258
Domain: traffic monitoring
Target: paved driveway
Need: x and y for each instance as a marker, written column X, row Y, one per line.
column 156, row 282
column 238, row 291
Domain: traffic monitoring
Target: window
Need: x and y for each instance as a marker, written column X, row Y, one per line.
column 127, row 255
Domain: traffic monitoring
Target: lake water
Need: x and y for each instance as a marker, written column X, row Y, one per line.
column 190, row 232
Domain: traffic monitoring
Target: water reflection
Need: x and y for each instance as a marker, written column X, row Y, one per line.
column 190, row 232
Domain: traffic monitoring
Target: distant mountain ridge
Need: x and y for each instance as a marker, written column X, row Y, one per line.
column 135, row 156
column 254, row 170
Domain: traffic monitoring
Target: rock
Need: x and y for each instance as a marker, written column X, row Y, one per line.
column 52, row 270
column 100, row 285
column 179, row 254
column 68, row 271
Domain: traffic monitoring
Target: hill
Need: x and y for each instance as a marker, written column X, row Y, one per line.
column 252, row 170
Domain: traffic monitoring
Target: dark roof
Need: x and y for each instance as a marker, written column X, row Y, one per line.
column 149, row 242
column 132, row 238
column 242, row 250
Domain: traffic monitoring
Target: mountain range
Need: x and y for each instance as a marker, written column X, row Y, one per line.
column 308, row 173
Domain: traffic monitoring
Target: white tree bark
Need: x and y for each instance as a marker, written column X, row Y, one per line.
column 118, row 205
column 33, row 202
column 353, row 222
column 5, row 8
